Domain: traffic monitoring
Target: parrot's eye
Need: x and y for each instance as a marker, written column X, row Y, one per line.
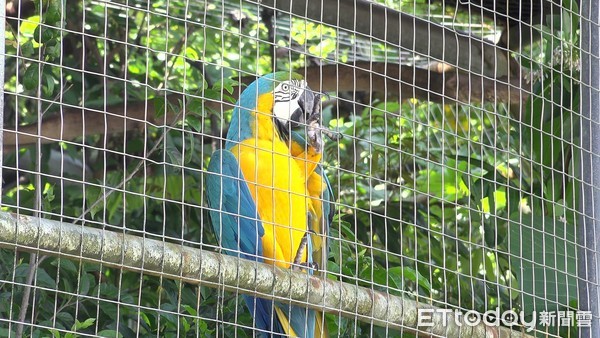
column 285, row 87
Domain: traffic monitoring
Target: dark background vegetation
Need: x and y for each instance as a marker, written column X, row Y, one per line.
column 463, row 205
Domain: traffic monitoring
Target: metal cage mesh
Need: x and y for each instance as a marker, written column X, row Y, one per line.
column 462, row 183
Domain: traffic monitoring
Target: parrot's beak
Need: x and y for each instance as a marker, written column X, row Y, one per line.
column 308, row 105
column 308, row 115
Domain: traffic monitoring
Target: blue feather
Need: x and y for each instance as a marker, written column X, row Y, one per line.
column 262, row 311
column 232, row 210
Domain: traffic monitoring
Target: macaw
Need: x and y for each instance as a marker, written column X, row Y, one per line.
column 268, row 196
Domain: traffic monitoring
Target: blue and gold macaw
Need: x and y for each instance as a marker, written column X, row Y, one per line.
column 268, row 196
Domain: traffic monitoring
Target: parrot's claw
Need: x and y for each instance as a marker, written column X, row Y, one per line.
column 315, row 138
column 301, row 249
column 298, row 259
column 333, row 135
column 307, row 265
column 315, row 128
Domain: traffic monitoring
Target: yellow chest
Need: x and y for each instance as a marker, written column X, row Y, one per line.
column 278, row 187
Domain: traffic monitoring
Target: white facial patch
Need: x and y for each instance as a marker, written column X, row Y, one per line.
column 286, row 96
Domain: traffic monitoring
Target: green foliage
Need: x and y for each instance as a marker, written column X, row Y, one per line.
column 461, row 205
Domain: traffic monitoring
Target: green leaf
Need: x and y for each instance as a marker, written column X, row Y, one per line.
column 27, row 48
column 83, row 325
column 44, row 280
column 28, row 26
column 194, row 122
column 48, row 197
column 49, row 80
column 545, row 261
column 65, row 317
column 411, row 274
column 110, row 309
column 160, row 103
column 92, row 195
column 43, row 34
column 172, row 151
column 145, row 318
column 110, row 334
column 52, row 15
column 186, row 325
column 113, row 204
column 168, row 314
column 216, row 95
column 53, row 49
column 109, row 291
column 189, row 150
column 190, row 310
column 31, row 78
column 85, row 283
column 192, row 54
column 196, row 107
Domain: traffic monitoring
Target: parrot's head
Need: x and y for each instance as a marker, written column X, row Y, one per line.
column 283, row 98
column 293, row 102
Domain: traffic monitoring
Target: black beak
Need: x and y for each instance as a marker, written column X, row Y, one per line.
column 308, row 116
column 308, row 103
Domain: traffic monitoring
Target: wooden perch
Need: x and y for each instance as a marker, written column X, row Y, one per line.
column 442, row 85
column 178, row 262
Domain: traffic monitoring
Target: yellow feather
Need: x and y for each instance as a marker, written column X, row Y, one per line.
column 287, row 328
column 320, row 327
column 285, row 188
column 278, row 186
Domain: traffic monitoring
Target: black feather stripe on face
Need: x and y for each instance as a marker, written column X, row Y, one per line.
column 289, row 90
column 282, row 130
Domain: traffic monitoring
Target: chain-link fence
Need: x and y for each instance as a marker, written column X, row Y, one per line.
column 306, row 168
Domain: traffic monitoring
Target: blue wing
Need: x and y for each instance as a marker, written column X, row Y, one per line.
column 232, row 210
column 328, row 198
column 236, row 224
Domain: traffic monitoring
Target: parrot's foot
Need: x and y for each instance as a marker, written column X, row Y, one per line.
column 333, row 135
column 313, row 134
column 301, row 249
column 315, row 128
column 306, row 265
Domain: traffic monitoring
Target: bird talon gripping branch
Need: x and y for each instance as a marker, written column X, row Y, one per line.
column 315, row 128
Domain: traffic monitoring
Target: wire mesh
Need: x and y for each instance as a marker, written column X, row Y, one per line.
column 144, row 195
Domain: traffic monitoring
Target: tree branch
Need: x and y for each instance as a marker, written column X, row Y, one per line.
column 195, row 266
column 442, row 85
column 407, row 31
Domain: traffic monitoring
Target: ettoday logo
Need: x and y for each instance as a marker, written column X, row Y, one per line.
column 427, row 318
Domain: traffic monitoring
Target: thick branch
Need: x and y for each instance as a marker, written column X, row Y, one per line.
column 364, row 17
column 391, row 80
column 196, row 266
